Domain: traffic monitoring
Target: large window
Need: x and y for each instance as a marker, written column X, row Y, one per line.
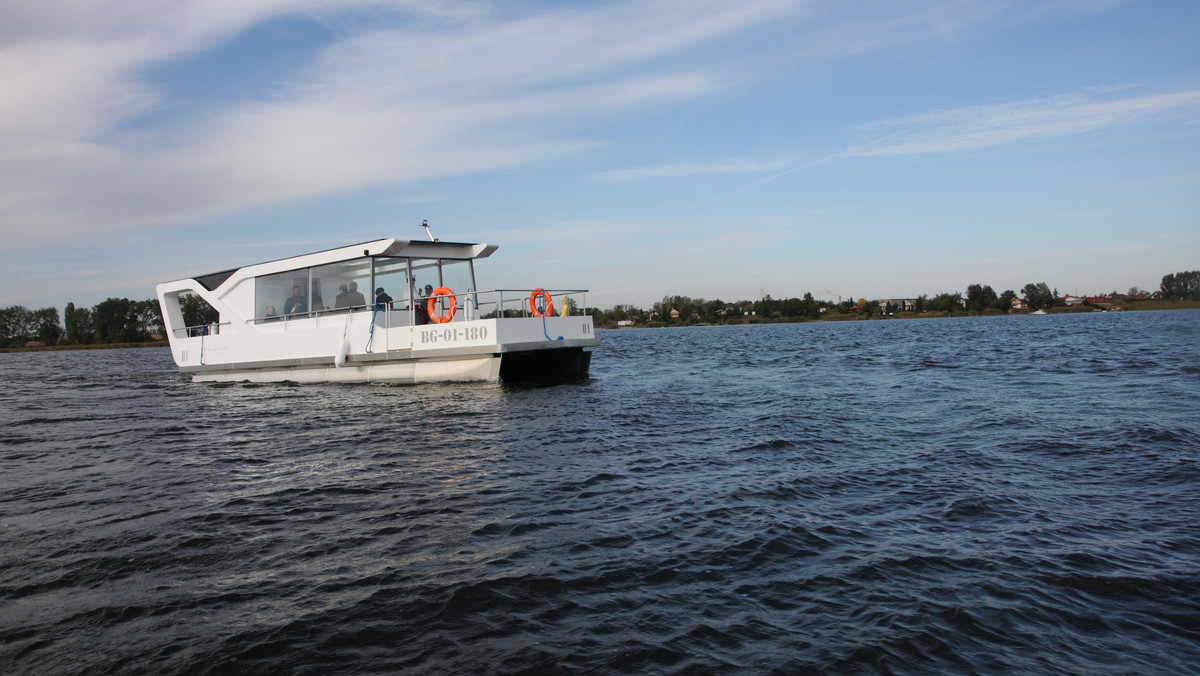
column 456, row 276
column 285, row 293
column 354, row 285
column 391, row 277
column 341, row 286
column 426, row 276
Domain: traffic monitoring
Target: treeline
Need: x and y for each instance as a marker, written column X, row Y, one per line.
column 679, row 310
column 121, row 320
column 116, row 320
column 979, row 299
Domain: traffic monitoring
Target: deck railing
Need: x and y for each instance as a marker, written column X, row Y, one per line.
column 469, row 305
column 200, row 330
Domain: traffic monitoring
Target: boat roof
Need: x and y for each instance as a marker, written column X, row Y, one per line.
column 387, row 247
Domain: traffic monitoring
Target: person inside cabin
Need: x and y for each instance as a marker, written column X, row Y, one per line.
column 426, row 295
column 271, row 315
column 354, row 298
column 342, row 299
column 294, row 304
column 421, row 305
column 382, row 300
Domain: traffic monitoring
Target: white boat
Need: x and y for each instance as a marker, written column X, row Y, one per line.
column 301, row 319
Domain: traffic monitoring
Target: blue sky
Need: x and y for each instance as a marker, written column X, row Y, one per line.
column 707, row 148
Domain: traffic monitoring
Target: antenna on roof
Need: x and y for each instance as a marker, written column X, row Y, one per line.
column 425, row 224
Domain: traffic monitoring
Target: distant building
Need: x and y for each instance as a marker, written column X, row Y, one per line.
column 674, row 313
column 901, row 304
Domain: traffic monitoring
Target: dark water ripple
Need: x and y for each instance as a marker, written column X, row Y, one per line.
column 990, row 495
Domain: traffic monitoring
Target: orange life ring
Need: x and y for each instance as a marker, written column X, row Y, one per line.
column 533, row 303
column 431, row 306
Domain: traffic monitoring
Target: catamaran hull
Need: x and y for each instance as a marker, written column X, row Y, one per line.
column 552, row 365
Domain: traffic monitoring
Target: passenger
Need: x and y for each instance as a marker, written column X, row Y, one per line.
column 295, row 304
column 342, row 299
column 382, row 299
column 421, row 306
column 354, row 298
column 425, row 301
column 271, row 315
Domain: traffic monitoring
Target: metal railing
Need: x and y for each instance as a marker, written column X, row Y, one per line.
column 200, row 330
column 482, row 305
column 515, row 302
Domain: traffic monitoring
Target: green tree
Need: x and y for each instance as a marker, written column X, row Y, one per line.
column 1038, row 296
column 810, row 307
column 150, row 316
column 46, row 325
column 767, row 307
column 196, row 311
column 15, row 325
column 946, row 302
column 113, row 321
column 20, row 325
column 980, row 298
column 1181, row 285
column 71, row 334
column 120, row 320
column 1005, row 301
column 79, row 325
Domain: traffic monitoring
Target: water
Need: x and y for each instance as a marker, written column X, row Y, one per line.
column 995, row 495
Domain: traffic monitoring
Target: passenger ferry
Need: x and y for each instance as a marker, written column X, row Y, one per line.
column 422, row 319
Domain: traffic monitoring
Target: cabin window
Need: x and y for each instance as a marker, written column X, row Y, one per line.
column 426, row 276
column 284, row 293
column 456, row 276
column 391, row 275
column 342, row 286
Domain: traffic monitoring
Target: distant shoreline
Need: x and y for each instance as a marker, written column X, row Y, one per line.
column 1150, row 306
column 750, row 321
column 98, row 346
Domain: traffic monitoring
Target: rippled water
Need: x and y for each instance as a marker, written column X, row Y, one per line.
column 1012, row 494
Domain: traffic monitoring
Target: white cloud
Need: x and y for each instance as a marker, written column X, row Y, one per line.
column 687, row 169
column 415, row 95
column 974, row 127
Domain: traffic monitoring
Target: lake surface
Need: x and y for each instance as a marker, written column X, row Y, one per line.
column 995, row 495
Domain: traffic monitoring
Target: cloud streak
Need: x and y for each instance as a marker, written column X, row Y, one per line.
column 976, row 127
column 408, row 96
column 688, row 169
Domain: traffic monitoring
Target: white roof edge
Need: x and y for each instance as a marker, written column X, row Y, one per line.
column 389, row 246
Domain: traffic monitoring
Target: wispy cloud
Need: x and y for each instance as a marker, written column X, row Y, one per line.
column 689, row 169
column 407, row 96
column 974, row 127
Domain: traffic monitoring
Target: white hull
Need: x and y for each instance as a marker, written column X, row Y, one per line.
column 403, row 373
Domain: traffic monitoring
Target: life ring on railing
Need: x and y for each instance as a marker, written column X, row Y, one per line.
column 431, row 306
column 533, row 305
